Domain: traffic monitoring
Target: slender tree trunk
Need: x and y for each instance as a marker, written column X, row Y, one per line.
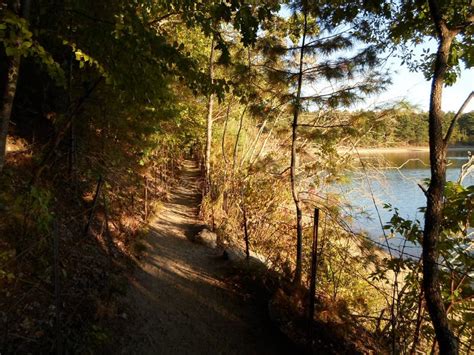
column 236, row 145
column 10, row 89
column 246, row 232
column 434, row 208
column 293, row 163
column 260, row 151
column 210, row 106
column 419, row 322
column 242, row 116
column 224, row 155
column 253, row 146
column 8, row 98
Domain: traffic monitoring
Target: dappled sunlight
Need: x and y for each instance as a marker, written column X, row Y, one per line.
column 179, row 291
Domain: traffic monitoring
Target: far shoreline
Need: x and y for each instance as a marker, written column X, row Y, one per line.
column 397, row 149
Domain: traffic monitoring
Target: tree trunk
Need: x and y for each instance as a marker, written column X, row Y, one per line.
column 253, row 146
column 210, row 105
column 236, row 144
column 293, row 163
column 246, row 232
column 434, row 208
column 8, row 98
column 10, row 86
column 419, row 322
column 262, row 148
column 224, row 155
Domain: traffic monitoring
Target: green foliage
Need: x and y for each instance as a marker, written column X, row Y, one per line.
column 18, row 40
column 328, row 58
column 412, row 24
column 465, row 127
column 404, row 26
column 456, row 266
column 32, row 215
column 39, row 202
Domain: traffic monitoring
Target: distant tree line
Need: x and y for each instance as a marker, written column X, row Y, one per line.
column 404, row 125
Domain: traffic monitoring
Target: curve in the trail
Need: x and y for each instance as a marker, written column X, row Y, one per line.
column 180, row 296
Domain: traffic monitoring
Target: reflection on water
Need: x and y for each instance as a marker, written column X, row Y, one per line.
column 415, row 159
column 393, row 179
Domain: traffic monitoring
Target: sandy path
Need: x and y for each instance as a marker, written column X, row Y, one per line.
column 181, row 297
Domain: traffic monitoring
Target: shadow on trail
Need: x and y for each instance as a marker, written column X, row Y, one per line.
column 182, row 303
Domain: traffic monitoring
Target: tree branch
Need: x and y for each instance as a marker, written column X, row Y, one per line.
column 342, row 125
column 423, row 189
column 455, row 118
column 161, row 18
column 438, row 20
column 89, row 17
column 466, row 168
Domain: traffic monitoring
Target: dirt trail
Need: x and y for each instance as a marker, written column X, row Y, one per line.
column 181, row 299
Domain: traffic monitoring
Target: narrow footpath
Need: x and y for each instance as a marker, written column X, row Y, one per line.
column 180, row 295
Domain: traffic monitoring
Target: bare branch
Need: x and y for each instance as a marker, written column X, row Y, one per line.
column 467, row 168
column 455, row 118
column 161, row 18
column 342, row 125
column 423, row 189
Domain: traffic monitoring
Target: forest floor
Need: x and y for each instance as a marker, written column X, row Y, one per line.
column 181, row 297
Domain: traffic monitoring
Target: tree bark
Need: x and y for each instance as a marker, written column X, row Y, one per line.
column 293, row 163
column 260, row 151
column 224, row 155
column 466, row 169
column 253, row 146
column 10, row 90
column 435, row 194
column 210, row 106
column 8, row 98
column 419, row 322
column 236, row 144
column 246, row 232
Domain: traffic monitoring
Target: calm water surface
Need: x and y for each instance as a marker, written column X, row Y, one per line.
column 393, row 178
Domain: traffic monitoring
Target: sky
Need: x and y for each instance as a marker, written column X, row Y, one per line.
column 414, row 88
column 409, row 86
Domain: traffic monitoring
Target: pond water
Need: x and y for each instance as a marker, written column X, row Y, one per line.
column 393, row 178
